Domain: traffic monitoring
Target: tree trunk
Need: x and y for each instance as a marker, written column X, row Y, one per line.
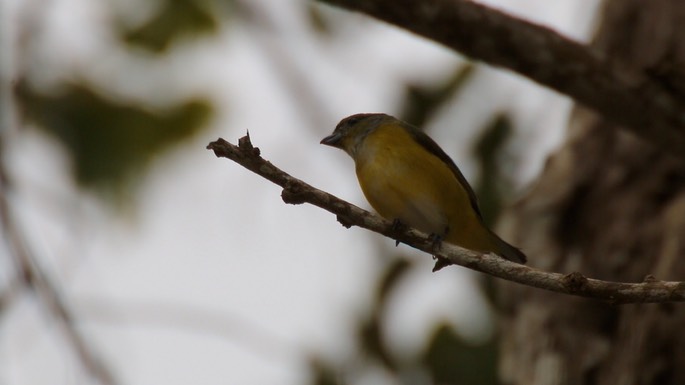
column 612, row 207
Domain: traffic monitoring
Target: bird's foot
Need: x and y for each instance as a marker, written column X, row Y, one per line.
column 440, row 262
column 436, row 241
column 398, row 227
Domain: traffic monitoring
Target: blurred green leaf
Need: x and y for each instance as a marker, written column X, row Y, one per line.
column 392, row 276
column 324, row 374
column 318, row 20
column 488, row 150
column 370, row 335
column 174, row 19
column 452, row 361
column 110, row 141
column 422, row 101
column 492, row 187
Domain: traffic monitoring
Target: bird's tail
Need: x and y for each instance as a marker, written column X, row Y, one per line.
column 508, row 251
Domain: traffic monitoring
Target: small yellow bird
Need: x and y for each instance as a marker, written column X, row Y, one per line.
column 407, row 177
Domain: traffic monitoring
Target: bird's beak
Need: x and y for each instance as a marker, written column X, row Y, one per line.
column 332, row 140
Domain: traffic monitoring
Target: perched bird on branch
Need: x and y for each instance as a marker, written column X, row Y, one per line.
column 410, row 180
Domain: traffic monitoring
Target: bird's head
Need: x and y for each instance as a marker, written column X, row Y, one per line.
column 350, row 133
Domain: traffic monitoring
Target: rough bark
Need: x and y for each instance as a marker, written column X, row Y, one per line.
column 605, row 194
column 618, row 91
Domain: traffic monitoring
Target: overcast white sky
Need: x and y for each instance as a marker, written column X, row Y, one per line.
column 215, row 280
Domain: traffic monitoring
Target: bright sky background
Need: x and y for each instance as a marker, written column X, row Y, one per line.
column 214, row 280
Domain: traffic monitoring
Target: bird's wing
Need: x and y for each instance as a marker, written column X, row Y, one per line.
column 429, row 144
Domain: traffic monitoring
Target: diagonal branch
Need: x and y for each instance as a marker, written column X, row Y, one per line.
column 619, row 93
column 296, row 191
column 32, row 276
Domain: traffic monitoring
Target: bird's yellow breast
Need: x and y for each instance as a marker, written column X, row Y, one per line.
column 403, row 180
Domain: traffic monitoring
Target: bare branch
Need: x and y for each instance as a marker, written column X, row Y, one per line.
column 296, row 191
column 618, row 92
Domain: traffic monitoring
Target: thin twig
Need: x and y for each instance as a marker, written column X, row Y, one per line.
column 614, row 90
column 296, row 191
column 32, row 276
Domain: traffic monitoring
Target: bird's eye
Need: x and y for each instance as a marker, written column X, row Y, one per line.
column 352, row 120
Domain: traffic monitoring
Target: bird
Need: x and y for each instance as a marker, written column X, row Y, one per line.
column 408, row 179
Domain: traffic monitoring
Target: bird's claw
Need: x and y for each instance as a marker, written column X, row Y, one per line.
column 398, row 226
column 436, row 241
